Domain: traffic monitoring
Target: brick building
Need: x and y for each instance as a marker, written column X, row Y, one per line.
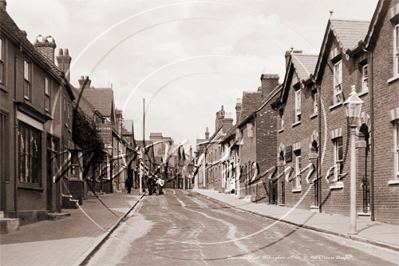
column 314, row 135
column 36, row 125
column 256, row 136
column 214, row 152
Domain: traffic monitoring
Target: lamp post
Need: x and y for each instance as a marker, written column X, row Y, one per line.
column 353, row 106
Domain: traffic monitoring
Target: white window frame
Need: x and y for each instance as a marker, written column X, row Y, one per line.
column 298, row 97
column 298, row 166
column 337, row 83
column 338, row 160
column 27, row 85
column 315, row 103
column 396, row 149
column 1, row 61
column 281, row 114
column 47, row 95
column 396, row 50
column 365, row 87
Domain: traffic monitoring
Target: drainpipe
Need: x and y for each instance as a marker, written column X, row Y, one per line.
column 371, row 91
column 319, row 180
column 15, row 136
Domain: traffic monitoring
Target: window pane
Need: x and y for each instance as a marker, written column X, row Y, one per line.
column 26, row 70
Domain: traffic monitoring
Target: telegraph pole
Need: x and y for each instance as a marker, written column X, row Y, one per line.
column 142, row 151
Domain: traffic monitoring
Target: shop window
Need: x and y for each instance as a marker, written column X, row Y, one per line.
column 29, row 154
column 4, row 147
column 337, row 83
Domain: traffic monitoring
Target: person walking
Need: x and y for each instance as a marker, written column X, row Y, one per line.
column 128, row 185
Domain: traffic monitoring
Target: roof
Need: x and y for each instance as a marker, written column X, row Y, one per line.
column 304, row 64
column 347, row 32
column 84, row 104
column 376, row 17
column 18, row 36
column 102, row 99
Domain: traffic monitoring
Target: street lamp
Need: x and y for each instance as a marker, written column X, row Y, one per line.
column 353, row 107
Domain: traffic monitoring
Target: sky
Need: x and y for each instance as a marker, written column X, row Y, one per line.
column 185, row 58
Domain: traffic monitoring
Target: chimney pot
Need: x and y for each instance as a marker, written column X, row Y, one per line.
column 66, row 51
column 3, row 4
column 60, row 52
column 64, row 62
column 46, row 46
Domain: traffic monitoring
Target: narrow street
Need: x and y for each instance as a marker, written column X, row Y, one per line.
column 184, row 228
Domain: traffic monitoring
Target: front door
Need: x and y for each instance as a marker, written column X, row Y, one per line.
column 273, row 192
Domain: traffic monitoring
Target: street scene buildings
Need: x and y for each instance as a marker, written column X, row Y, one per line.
column 320, row 141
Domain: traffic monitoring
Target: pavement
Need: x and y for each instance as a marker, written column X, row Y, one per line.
column 376, row 233
column 71, row 240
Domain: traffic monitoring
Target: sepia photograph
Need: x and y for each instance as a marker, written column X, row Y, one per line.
column 199, row 132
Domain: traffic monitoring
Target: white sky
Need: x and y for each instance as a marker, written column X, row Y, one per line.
column 191, row 57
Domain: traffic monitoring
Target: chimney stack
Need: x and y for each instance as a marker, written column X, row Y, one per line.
column 46, row 46
column 64, row 62
column 206, row 133
column 219, row 118
column 269, row 83
column 238, row 110
column 3, row 4
column 82, row 81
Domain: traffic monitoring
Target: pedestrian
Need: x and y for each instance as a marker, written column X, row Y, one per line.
column 160, row 183
column 128, row 184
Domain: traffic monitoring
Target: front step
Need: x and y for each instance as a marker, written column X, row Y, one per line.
column 9, row 225
column 57, row 216
column 69, row 203
column 248, row 198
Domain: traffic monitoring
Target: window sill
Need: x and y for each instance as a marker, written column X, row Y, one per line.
column 393, row 182
column 362, row 93
column 337, row 185
column 392, row 79
column 363, row 214
column 3, row 88
column 297, row 189
column 30, row 186
column 281, row 130
column 313, row 116
column 335, row 105
column 295, row 124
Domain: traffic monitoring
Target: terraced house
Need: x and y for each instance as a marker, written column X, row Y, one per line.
column 36, row 125
column 314, row 134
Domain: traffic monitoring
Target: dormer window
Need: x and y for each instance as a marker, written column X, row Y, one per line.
column 337, row 83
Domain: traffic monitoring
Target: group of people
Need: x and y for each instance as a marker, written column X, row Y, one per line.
column 152, row 183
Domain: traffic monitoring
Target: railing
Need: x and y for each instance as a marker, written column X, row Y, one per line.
column 366, row 194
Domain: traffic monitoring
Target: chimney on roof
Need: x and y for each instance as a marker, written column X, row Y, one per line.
column 227, row 122
column 46, row 46
column 206, row 133
column 269, row 82
column 3, row 4
column 64, row 62
column 238, row 110
column 82, row 81
column 219, row 118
